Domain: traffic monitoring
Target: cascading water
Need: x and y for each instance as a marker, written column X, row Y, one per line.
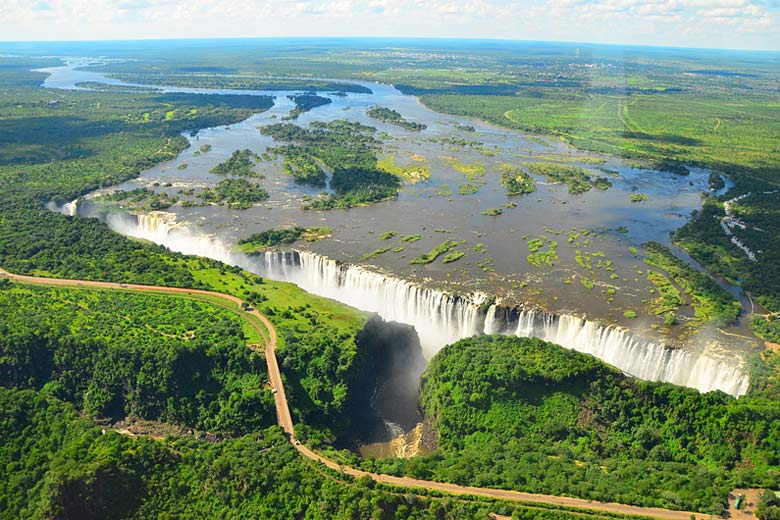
column 441, row 318
column 438, row 317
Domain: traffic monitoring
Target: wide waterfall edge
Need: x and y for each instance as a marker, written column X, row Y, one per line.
column 441, row 318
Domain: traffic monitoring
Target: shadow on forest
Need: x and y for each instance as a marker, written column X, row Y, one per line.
column 664, row 138
column 36, row 140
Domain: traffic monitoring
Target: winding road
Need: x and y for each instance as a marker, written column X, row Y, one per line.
column 268, row 332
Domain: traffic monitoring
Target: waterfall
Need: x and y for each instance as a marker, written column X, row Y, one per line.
column 438, row 317
column 705, row 370
column 441, row 318
column 69, row 208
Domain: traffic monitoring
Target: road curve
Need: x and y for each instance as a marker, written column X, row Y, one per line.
column 284, row 418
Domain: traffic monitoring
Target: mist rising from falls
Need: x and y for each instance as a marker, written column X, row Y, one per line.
column 69, row 208
column 440, row 318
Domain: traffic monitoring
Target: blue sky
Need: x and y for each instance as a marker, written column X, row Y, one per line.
column 735, row 24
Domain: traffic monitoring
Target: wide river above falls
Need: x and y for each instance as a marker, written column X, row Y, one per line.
column 598, row 273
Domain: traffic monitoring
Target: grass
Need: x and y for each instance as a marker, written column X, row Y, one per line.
column 516, row 181
column 281, row 295
column 452, row 257
column 275, row 237
column 412, row 173
column 669, row 298
column 537, row 257
column 535, row 244
column 711, row 303
column 652, row 126
column 576, row 179
column 410, row 238
column 473, row 173
column 376, row 252
column 441, row 249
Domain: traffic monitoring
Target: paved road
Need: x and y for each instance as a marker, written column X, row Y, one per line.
column 268, row 332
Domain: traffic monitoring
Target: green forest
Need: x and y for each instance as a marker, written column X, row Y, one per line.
column 73, row 361
column 509, row 412
column 347, row 148
column 520, row 413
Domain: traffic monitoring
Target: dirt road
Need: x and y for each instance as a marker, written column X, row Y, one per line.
column 268, row 332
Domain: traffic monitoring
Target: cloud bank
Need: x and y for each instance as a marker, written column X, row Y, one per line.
column 741, row 24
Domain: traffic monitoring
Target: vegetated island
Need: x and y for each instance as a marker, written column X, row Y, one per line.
column 441, row 249
column 349, row 149
column 275, row 237
column 577, row 179
column 235, row 193
column 388, row 115
column 240, row 164
column 304, row 103
column 516, row 181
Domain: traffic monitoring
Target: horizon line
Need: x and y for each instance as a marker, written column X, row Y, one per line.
column 397, row 38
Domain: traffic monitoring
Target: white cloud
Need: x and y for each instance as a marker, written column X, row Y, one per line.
column 665, row 22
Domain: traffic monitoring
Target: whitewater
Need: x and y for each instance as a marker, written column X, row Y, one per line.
column 441, row 318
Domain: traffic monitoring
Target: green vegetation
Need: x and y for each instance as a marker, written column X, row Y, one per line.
column 516, row 181
column 356, row 187
column 205, row 148
column 638, row 197
column 574, row 177
column 239, row 164
column 375, row 253
column 676, row 127
column 388, row 115
column 704, row 239
column 410, row 238
column 236, row 193
column 716, row 181
column 630, row 314
column 119, row 354
column 537, row 257
column 217, row 79
column 669, row 298
column 768, row 506
column 668, row 111
column 69, row 468
column 492, row 212
column 387, row 235
column 519, row 413
column 277, row 237
column 349, row 149
column 535, row 244
column 552, row 427
column 711, row 303
column 306, row 102
column 473, row 173
column 452, row 257
column 443, row 248
column 142, row 198
column 413, row 173
column 305, row 170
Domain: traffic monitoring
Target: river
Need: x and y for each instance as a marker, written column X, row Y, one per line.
column 579, row 301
